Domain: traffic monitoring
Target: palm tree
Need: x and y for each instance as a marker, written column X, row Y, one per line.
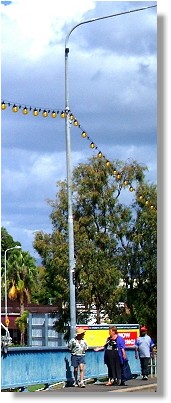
column 22, row 273
column 21, row 323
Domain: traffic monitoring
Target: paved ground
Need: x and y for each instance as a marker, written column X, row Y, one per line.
column 134, row 385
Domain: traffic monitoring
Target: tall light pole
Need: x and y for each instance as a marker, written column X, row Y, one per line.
column 69, row 174
column 5, row 274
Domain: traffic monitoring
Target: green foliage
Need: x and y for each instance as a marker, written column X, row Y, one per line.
column 21, row 324
column 112, row 240
column 22, row 272
column 7, row 242
column 138, row 257
column 21, row 275
column 38, row 290
column 115, row 238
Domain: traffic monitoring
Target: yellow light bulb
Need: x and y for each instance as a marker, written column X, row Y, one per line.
column 63, row 114
column 125, row 182
column 107, row 163
column 131, row 189
column 3, row 106
column 71, row 116
column 76, row 122
column 45, row 113
column 115, row 172
column 92, row 145
column 25, row 111
column 35, row 112
column 15, row 108
column 100, row 154
column 53, row 114
column 84, row 134
column 147, row 202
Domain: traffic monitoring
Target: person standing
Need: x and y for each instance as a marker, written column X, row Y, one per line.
column 114, row 356
column 78, row 347
column 144, row 349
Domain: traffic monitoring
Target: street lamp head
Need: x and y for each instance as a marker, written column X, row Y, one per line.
column 14, row 247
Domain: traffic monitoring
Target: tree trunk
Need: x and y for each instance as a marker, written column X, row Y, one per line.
column 21, row 312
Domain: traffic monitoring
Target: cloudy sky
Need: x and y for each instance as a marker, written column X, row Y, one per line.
column 112, row 92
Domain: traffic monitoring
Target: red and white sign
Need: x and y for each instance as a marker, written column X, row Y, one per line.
column 129, row 337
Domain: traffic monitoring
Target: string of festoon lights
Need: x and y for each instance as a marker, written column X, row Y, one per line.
column 53, row 113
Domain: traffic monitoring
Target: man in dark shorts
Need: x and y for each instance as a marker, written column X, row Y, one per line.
column 78, row 347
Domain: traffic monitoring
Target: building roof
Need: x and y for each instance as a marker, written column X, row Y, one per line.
column 13, row 310
column 13, row 307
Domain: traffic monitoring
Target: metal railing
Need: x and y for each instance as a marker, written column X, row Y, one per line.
column 153, row 366
column 49, row 365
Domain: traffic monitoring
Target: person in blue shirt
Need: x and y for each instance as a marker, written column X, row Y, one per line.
column 114, row 356
column 144, row 350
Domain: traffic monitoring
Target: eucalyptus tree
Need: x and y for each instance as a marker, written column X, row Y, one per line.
column 99, row 219
column 138, row 258
column 146, row 227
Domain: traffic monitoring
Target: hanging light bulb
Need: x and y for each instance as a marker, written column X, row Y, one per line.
column 25, row 111
column 147, row 202
column 63, row 114
column 125, row 182
column 115, row 172
column 3, row 105
column 71, row 116
column 35, row 112
column 100, row 155
column 92, row 145
column 107, row 163
column 84, row 134
column 152, row 207
column 54, row 114
column 76, row 122
column 15, row 108
column 131, row 188
column 119, row 176
column 45, row 113
column 140, row 197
